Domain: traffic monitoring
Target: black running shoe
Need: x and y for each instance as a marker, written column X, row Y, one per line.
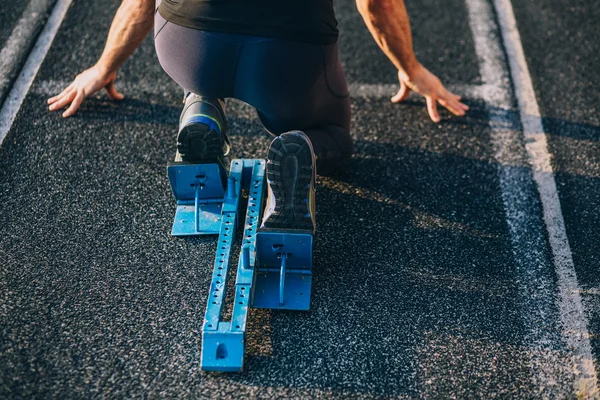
column 291, row 175
column 202, row 135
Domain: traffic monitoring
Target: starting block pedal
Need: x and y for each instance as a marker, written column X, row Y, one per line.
column 274, row 268
column 284, row 270
column 201, row 197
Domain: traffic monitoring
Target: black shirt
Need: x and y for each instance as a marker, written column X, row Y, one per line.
column 311, row 21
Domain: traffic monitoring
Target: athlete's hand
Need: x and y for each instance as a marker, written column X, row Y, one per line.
column 85, row 84
column 429, row 86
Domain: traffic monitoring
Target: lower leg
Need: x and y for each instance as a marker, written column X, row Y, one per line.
column 333, row 147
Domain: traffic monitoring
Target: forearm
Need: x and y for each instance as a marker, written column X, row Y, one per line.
column 132, row 23
column 388, row 22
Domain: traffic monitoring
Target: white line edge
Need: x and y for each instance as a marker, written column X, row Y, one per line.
column 573, row 319
column 21, row 86
column 19, row 37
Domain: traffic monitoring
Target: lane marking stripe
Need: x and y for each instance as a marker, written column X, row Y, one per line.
column 15, row 98
column 572, row 315
column 390, row 89
column 17, row 44
column 528, row 243
column 527, row 235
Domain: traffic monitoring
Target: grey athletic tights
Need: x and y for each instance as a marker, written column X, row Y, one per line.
column 292, row 85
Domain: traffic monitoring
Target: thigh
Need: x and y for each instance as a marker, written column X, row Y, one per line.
column 198, row 61
column 293, row 85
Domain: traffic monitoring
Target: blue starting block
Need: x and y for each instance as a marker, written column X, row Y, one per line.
column 284, row 268
column 274, row 268
column 201, row 198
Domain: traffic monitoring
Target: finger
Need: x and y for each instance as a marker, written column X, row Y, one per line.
column 64, row 94
column 454, row 96
column 113, row 93
column 446, row 94
column 66, row 99
column 458, row 104
column 58, row 96
column 402, row 93
column 454, row 102
column 453, row 106
column 61, row 94
column 75, row 104
column 432, row 109
column 461, row 106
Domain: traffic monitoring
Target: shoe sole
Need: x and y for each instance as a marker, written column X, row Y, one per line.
column 199, row 144
column 290, row 171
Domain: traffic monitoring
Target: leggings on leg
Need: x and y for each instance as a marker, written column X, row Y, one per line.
column 292, row 85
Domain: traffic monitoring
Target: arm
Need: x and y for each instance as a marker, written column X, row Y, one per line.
column 132, row 23
column 388, row 22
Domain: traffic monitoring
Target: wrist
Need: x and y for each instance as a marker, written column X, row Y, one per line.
column 103, row 69
column 410, row 70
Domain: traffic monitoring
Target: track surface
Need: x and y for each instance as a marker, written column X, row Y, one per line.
column 11, row 12
column 416, row 292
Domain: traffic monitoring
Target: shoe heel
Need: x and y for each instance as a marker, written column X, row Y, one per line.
column 290, row 169
column 199, row 141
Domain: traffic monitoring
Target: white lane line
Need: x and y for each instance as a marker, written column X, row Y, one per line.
column 527, row 236
column 532, row 269
column 383, row 90
column 15, row 98
column 18, row 41
column 573, row 318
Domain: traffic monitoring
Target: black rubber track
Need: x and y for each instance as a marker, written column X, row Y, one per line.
column 290, row 172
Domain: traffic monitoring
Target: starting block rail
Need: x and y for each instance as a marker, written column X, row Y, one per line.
column 274, row 268
column 223, row 342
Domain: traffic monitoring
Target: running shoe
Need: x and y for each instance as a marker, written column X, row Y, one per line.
column 291, row 173
column 202, row 137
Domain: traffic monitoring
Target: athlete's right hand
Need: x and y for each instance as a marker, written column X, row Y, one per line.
column 85, row 84
column 429, row 86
